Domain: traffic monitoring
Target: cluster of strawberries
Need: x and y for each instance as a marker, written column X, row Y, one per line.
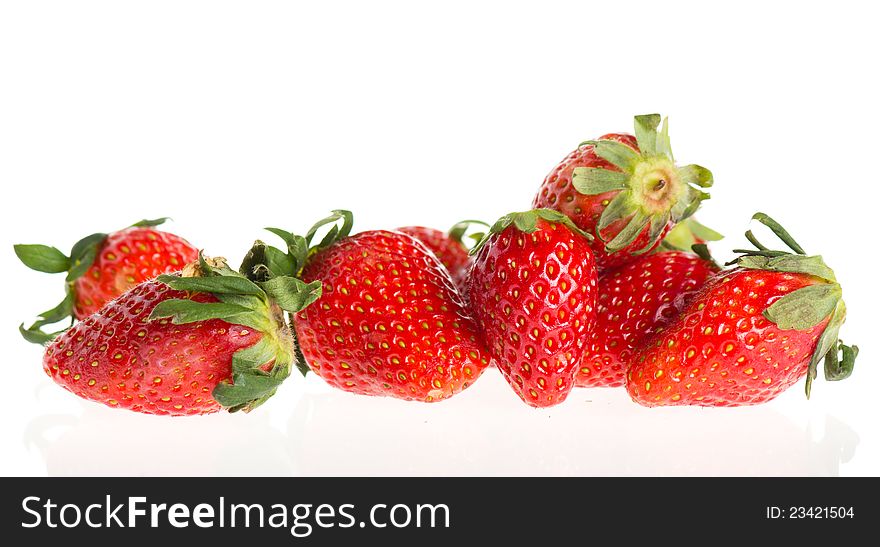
column 606, row 282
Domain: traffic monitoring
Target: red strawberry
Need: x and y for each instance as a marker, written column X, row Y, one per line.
column 749, row 334
column 635, row 303
column 226, row 344
column 390, row 321
column 448, row 246
column 103, row 266
column 532, row 288
column 626, row 190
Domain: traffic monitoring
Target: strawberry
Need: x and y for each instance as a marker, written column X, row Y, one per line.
column 749, row 334
column 389, row 322
column 103, row 266
column 183, row 344
column 626, row 190
column 448, row 246
column 634, row 303
column 532, row 288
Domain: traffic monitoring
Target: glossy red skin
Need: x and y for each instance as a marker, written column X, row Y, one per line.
column 451, row 253
column 127, row 258
column 635, row 303
column 557, row 192
column 121, row 359
column 534, row 298
column 722, row 351
column 389, row 322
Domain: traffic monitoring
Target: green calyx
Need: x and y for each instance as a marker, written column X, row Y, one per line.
column 527, row 222
column 43, row 258
column 276, row 269
column 806, row 307
column 687, row 233
column 690, row 236
column 291, row 261
column 460, row 229
column 651, row 190
column 259, row 305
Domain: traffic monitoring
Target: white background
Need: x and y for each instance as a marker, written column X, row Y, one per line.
column 232, row 116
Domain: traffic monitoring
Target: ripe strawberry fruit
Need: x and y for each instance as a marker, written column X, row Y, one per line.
column 635, row 303
column 389, row 322
column 448, row 246
column 532, row 289
column 626, row 190
column 103, row 266
column 750, row 333
column 183, row 344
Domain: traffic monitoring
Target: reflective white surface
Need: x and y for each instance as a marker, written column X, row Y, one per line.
column 230, row 116
column 485, row 431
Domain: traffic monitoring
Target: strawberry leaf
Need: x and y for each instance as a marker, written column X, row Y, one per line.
column 297, row 252
column 804, row 308
column 292, row 294
column 251, row 385
column 253, row 265
column 459, row 229
column 254, row 358
column 684, row 235
column 702, row 231
column 336, row 232
column 35, row 333
column 664, row 147
column 82, row 264
column 618, row 208
column 183, row 311
column 526, row 223
column 840, row 368
column 696, row 175
column 42, row 258
column 778, row 261
column 658, row 224
column 83, row 254
column 220, row 284
column 592, row 181
column 280, row 263
column 646, row 133
column 283, row 234
column 616, row 153
column 247, row 391
column 780, row 232
column 630, row 232
column 150, row 223
column 60, row 312
column 702, row 251
column 827, row 342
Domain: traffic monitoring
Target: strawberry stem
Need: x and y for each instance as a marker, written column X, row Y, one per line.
column 780, row 232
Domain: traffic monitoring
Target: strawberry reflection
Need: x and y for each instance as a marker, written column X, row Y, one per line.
column 599, row 432
column 312, row 429
column 110, row 442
